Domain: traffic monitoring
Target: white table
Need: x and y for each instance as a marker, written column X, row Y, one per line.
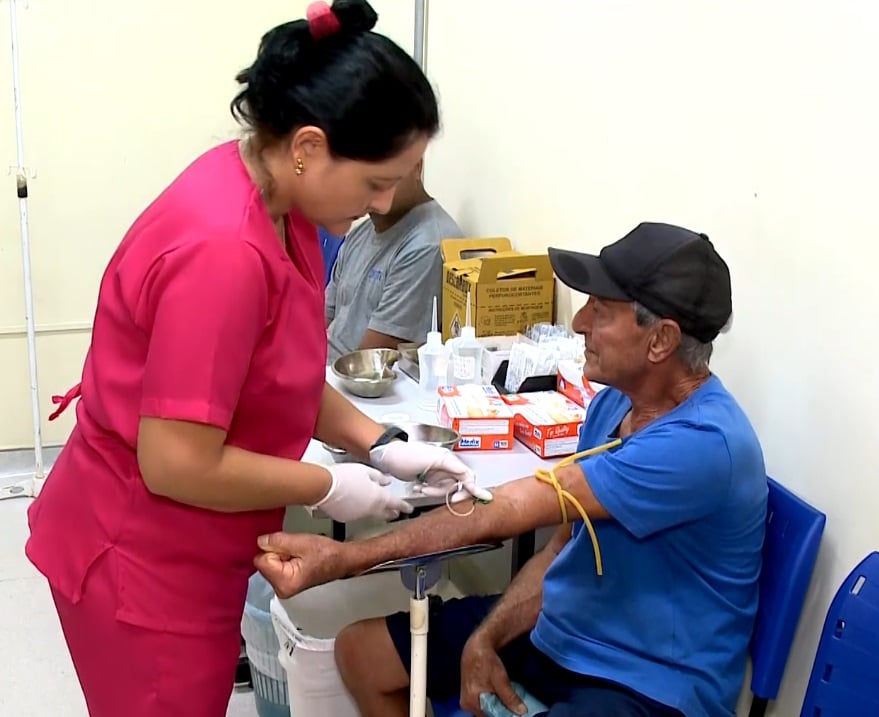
column 493, row 468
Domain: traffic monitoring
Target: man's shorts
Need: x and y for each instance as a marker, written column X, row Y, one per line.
column 567, row 693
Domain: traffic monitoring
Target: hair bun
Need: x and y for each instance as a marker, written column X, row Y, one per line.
column 355, row 16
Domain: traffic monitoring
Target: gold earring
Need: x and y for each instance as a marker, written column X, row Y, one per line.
column 300, row 165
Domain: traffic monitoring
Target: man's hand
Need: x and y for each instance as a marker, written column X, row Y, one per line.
column 440, row 469
column 293, row 563
column 483, row 672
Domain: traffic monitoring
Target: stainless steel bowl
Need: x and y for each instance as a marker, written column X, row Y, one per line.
column 424, row 432
column 367, row 373
column 339, row 455
column 427, row 433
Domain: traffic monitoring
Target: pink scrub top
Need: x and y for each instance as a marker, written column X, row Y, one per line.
column 202, row 316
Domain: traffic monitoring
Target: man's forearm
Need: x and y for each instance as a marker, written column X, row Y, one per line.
column 515, row 613
column 518, row 507
column 377, row 340
column 517, row 610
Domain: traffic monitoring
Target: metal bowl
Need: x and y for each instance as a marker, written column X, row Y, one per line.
column 424, row 432
column 427, row 433
column 339, row 455
column 367, row 373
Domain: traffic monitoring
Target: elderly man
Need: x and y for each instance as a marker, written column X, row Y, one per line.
column 679, row 509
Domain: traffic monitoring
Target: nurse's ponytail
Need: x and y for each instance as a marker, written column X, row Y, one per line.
column 331, row 71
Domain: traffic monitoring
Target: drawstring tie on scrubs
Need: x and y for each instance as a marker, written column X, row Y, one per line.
column 64, row 401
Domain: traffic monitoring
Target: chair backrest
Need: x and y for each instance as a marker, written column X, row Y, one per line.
column 329, row 245
column 845, row 675
column 793, row 535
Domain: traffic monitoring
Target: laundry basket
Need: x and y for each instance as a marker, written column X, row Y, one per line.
column 261, row 645
column 307, row 626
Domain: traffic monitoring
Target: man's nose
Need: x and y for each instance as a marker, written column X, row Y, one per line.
column 582, row 320
column 382, row 202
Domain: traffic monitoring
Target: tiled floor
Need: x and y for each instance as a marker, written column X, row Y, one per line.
column 36, row 675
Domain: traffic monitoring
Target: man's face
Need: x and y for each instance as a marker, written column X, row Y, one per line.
column 616, row 346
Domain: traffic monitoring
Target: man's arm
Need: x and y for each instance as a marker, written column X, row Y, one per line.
column 293, row 563
column 377, row 340
column 517, row 610
column 513, row 615
column 519, row 506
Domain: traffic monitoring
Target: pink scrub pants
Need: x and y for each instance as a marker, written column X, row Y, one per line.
column 128, row 671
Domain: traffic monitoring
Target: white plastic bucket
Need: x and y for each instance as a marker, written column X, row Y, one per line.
column 307, row 626
column 261, row 644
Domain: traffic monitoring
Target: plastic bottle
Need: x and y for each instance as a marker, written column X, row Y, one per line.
column 433, row 359
column 466, row 361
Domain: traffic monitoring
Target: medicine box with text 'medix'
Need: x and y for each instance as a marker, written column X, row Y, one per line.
column 478, row 414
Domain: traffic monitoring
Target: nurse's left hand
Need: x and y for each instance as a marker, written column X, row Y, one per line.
column 441, row 471
column 293, row 563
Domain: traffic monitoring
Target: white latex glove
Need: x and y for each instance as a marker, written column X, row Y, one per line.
column 441, row 471
column 359, row 491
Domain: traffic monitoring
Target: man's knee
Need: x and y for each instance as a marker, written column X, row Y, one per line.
column 349, row 651
column 365, row 656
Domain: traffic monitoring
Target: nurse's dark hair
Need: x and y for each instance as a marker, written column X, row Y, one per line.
column 368, row 96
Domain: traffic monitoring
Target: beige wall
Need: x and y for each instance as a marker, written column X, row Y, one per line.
column 753, row 121
column 117, row 99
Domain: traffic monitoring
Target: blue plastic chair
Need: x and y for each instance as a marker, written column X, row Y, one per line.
column 845, row 675
column 793, row 535
column 329, row 245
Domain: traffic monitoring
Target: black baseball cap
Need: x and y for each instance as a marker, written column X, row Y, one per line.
column 674, row 272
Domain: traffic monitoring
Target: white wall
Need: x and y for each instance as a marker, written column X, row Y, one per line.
column 117, row 98
column 753, row 121
column 565, row 124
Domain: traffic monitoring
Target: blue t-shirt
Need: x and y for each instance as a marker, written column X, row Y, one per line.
column 673, row 613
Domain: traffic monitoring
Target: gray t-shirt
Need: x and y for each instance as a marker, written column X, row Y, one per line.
column 386, row 282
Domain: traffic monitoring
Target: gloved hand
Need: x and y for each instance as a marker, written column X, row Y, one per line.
column 358, row 491
column 441, row 471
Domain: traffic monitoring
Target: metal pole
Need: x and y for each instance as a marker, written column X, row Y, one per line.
column 418, row 627
column 420, row 48
column 21, row 183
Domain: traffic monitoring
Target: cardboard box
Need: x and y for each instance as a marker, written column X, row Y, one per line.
column 479, row 415
column 509, row 291
column 547, row 422
column 574, row 385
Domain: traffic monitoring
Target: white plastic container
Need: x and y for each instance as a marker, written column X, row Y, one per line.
column 433, row 360
column 261, row 644
column 465, row 364
column 307, row 626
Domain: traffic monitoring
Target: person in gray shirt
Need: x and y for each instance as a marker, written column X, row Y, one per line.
column 387, row 272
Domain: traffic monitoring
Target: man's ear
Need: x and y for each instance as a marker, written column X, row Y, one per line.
column 665, row 340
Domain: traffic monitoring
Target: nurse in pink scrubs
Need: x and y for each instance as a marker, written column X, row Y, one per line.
column 205, row 377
